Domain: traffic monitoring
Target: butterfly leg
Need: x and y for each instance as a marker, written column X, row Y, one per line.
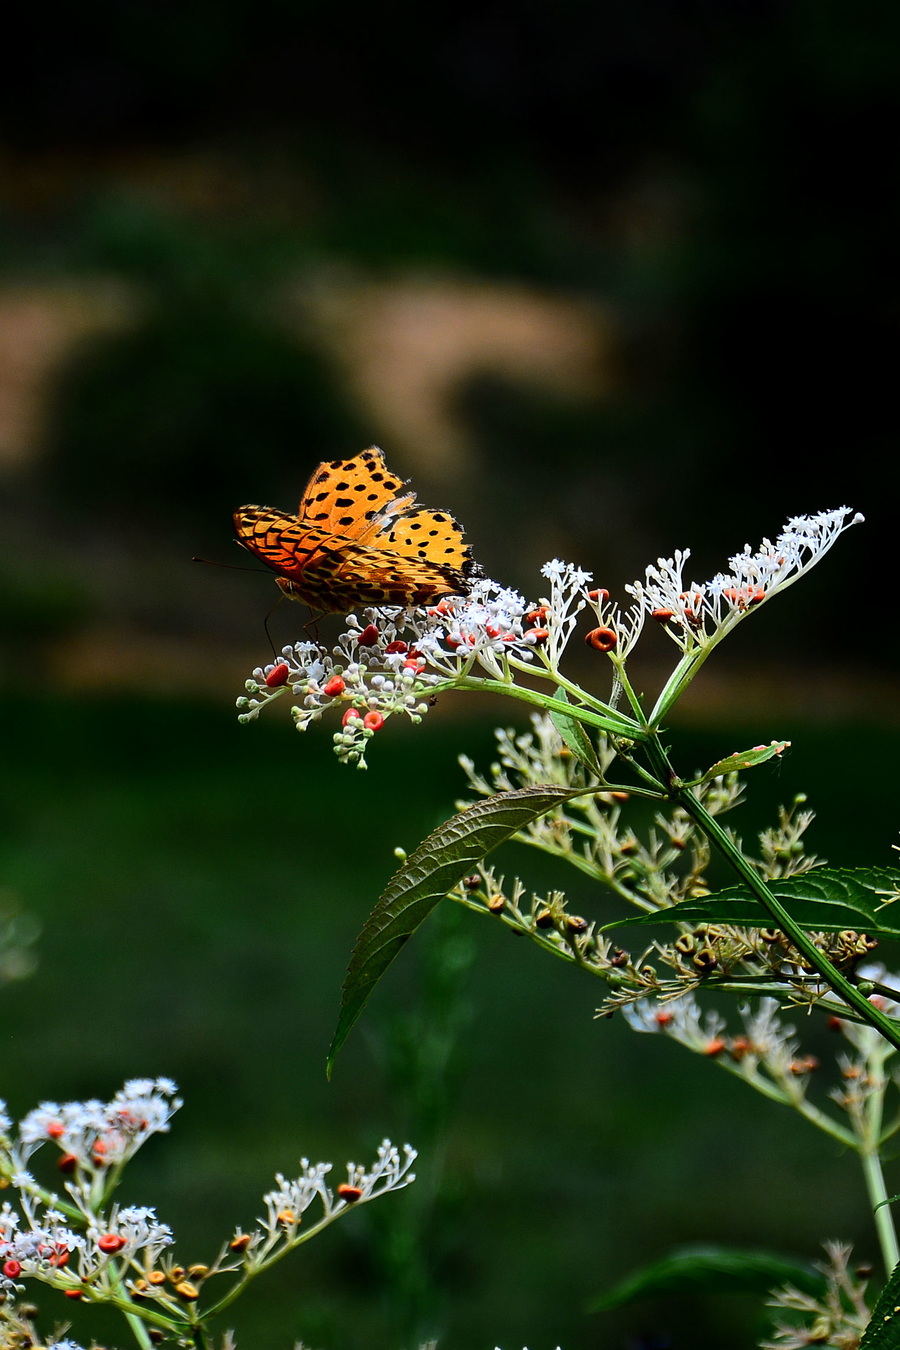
column 266, row 626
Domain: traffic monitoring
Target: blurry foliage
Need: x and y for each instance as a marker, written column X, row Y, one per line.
column 199, row 885
column 176, row 420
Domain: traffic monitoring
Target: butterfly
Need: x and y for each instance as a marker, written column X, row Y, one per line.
column 359, row 539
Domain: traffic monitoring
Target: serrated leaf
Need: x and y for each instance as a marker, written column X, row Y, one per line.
column 826, row 899
column 742, row 759
column 720, row 1269
column 575, row 736
column 426, row 876
column 883, row 1331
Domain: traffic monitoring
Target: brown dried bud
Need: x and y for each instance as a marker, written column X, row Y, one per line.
column 704, row 959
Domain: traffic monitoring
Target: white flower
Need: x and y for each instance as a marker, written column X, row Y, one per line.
column 699, row 614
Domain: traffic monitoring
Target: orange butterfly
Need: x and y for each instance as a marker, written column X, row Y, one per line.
column 358, row 539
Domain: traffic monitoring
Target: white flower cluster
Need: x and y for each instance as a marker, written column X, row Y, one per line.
column 94, row 1140
column 699, row 614
column 286, row 1204
column 391, row 661
column 95, row 1252
column 96, row 1135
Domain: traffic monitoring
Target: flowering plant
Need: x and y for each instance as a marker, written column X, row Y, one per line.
column 790, row 933
column 77, row 1239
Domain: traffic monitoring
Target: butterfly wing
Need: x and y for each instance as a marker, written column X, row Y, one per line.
column 349, row 496
column 358, row 540
column 283, row 542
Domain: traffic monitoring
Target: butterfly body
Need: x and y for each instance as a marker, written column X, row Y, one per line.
column 358, row 539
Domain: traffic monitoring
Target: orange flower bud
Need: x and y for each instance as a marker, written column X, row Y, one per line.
column 602, row 639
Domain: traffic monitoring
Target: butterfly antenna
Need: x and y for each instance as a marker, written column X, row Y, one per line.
column 234, row 567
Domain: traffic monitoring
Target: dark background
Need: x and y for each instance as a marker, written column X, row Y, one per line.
column 211, row 214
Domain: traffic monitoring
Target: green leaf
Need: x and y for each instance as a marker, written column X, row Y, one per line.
column 826, row 899
column 426, row 876
column 883, row 1331
column 719, row 1269
column 575, row 736
column 742, row 759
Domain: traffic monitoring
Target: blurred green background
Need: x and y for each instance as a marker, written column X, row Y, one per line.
column 606, row 281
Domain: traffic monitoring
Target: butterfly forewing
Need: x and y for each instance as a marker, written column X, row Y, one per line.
column 358, row 540
column 347, row 496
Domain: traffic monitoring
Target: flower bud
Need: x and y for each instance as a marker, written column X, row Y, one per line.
column 278, row 675
column 602, row 639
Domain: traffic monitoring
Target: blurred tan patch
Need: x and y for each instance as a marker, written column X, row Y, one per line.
column 39, row 326
column 406, row 346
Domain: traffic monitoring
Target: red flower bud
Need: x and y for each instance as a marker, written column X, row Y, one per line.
column 602, row 639
column 278, row 675
column 349, row 1193
column 351, row 715
column 111, row 1242
column 334, row 687
column 373, row 721
column 368, row 637
column 12, row 1269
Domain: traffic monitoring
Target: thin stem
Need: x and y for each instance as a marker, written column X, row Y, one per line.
column 139, row 1328
column 615, row 723
column 884, row 1219
column 624, row 681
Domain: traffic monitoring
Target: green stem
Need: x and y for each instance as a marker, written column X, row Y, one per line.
column 140, row 1330
column 614, row 723
column 884, row 1219
column 817, row 959
column 627, row 689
